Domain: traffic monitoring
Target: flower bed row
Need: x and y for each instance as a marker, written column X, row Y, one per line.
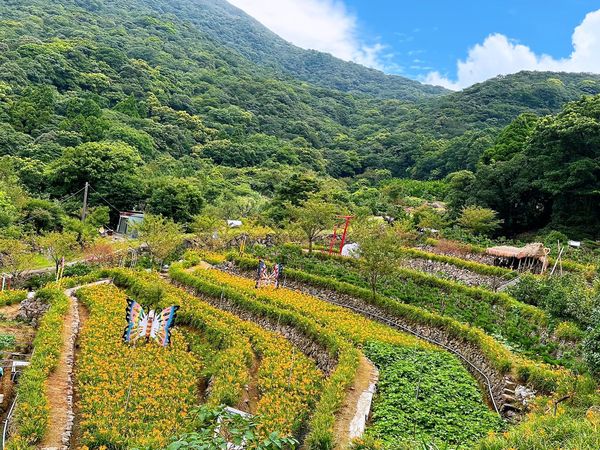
column 288, row 381
column 322, row 421
column 130, row 395
column 540, row 376
column 12, row 297
column 31, row 414
column 525, row 327
column 475, row 418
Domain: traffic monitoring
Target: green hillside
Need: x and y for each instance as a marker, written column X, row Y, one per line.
column 198, row 94
column 233, row 28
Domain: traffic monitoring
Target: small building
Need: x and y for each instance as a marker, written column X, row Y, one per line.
column 531, row 258
column 127, row 222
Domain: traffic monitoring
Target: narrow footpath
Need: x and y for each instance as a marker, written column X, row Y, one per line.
column 59, row 386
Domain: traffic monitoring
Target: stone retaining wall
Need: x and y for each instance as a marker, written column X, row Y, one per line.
column 451, row 272
column 503, row 388
column 323, row 359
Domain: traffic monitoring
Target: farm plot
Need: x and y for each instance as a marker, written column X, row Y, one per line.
column 425, row 405
column 236, row 354
column 458, row 392
column 524, row 328
column 128, row 396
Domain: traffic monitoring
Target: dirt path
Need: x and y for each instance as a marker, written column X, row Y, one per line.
column 251, row 394
column 351, row 418
column 59, row 386
column 76, row 433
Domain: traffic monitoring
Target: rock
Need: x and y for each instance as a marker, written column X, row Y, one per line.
column 31, row 310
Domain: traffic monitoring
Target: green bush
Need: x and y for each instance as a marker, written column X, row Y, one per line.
column 31, row 413
column 591, row 350
column 568, row 331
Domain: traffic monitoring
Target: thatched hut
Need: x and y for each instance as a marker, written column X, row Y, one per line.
column 531, row 258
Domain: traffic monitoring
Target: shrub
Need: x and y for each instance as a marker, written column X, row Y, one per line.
column 568, row 331
column 12, row 297
column 217, row 429
column 31, row 414
column 479, row 220
column 591, row 350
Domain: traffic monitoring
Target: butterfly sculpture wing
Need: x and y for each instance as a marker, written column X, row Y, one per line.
column 162, row 324
column 137, row 322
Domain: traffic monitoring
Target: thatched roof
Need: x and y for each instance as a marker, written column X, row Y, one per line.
column 536, row 250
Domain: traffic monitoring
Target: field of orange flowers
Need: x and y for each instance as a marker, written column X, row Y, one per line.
column 388, row 413
column 288, row 382
column 130, row 397
column 353, row 326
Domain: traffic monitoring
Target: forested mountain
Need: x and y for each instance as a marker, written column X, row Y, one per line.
column 150, row 98
column 233, row 28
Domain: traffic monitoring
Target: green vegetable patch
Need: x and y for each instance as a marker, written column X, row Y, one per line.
column 426, row 397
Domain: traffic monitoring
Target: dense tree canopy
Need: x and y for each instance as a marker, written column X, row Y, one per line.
column 548, row 172
column 131, row 96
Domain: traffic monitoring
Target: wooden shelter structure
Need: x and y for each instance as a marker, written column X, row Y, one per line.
column 531, row 258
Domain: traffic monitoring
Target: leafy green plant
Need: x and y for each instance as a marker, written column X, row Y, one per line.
column 414, row 387
column 7, row 341
column 218, row 428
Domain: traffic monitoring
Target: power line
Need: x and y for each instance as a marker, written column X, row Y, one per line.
column 62, row 200
column 104, row 200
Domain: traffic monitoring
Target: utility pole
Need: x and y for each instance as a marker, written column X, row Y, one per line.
column 85, row 200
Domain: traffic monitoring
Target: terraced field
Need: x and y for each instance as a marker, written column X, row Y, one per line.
column 452, row 383
column 289, row 357
column 526, row 329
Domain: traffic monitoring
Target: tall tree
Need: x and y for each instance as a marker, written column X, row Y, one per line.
column 112, row 168
column 379, row 249
column 313, row 217
column 58, row 246
column 161, row 236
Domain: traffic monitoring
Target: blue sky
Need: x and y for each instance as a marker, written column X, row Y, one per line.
column 433, row 34
column 429, row 39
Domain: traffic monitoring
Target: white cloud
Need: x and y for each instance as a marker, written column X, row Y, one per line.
column 324, row 25
column 499, row 55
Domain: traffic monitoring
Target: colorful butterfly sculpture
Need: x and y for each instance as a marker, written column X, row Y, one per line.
column 264, row 278
column 149, row 326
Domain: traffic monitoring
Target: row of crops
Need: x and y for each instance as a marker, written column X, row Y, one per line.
column 410, row 392
column 524, row 328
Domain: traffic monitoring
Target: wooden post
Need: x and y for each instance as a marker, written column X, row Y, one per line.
column 558, row 259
